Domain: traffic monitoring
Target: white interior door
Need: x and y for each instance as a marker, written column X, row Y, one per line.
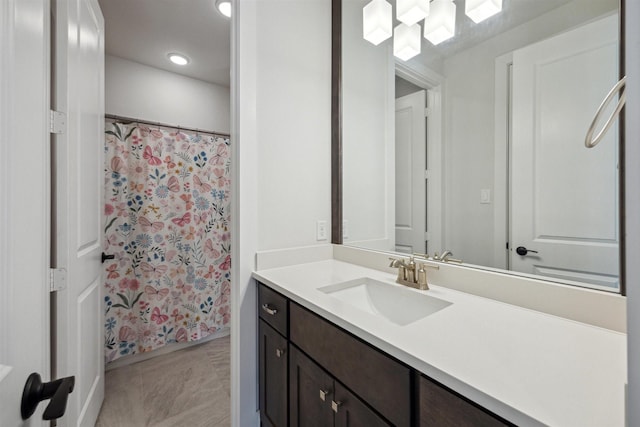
column 411, row 185
column 79, row 93
column 564, row 196
column 24, row 203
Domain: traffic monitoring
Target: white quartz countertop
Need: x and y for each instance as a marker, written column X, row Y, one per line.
column 528, row 367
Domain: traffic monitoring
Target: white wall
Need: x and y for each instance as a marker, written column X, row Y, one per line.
column 281, row 78
column 142, row 92
column 367, row 135
column 293, row 119
column 469, row 148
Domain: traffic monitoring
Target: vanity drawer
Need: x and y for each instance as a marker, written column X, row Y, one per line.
column 441, row 407
column 273, row 308
column 381, row 381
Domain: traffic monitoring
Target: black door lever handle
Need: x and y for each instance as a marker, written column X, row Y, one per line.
column 35, row 391
column 522, row 251
column 106, row 257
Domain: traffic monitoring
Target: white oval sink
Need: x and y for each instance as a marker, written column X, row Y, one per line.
column 395, row 303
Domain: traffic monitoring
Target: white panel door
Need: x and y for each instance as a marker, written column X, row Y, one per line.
column 24, row 204
column 564, row 196
column 79, row 93
column 411, row 186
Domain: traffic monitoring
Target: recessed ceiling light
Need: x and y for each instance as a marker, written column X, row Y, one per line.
column 178, row 59
column 224, row 7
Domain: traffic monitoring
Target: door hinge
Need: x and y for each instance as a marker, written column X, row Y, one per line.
column 57, row 122
column 427, row 112
column 427, row 237
column 426, row 174
column 57, row 279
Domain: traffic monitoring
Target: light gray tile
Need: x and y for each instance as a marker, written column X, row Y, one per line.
column 123, row 402
column 190, row 387
column 214, row 413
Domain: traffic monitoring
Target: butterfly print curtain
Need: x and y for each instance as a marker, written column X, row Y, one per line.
column 167, row 223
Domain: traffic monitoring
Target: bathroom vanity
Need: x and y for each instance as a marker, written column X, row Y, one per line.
column 341, row 344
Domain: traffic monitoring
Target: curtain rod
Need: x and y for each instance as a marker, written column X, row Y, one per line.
column 147, row 122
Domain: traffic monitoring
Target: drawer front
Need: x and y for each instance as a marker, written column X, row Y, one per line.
column 443, row 408
column 379, row 380
column 273, row 308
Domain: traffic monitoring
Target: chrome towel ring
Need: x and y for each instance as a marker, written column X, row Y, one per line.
column 591, row 142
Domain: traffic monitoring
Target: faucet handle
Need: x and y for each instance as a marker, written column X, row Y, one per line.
column 419, row 255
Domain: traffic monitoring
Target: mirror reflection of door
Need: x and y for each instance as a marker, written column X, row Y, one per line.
column 411, row 166
column 564, row 197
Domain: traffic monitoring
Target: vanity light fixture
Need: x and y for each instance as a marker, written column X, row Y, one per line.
column 440, row 25
column 376, row 21
column 411, row 11
column 224, row 7
column 406, row 41
column 479, row 10
column 178, row 59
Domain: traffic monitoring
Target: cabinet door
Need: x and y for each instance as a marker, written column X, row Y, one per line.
column 442, row 408
column 311, row 392
column 273, row 377
column 352, row 412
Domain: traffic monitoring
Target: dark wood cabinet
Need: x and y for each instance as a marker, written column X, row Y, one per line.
column 313, row 373
column 319, row 400
column 273, row 369
column 443, row 408
column 311, row 392
column 382, row 382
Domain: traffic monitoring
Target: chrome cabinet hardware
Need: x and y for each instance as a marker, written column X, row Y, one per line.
column 279, row 352
column 324, row 394
column 335, row 406
column 270, row 310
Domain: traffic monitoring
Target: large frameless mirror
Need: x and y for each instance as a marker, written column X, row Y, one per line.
column 476, row 144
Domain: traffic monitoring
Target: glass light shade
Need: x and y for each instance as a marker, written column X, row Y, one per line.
column 440, row 25
column 376, row 21
column 224, row 6
column 406, row 41
column 479, row 10
column 411, row 11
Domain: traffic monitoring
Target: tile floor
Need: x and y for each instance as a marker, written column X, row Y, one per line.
column 189, row 387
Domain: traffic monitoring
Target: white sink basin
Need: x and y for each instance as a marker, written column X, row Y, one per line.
column 395, row 303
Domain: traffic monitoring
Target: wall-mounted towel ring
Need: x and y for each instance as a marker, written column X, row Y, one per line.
column 591, row 142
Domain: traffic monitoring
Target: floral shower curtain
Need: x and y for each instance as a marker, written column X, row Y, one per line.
column 167, row 223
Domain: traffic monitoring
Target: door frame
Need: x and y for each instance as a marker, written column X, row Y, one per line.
column 502, row 161
column 433, row 83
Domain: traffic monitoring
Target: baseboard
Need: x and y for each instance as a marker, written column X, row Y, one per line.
column 169, row 348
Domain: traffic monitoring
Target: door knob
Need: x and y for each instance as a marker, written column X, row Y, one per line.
column 106, row 257
column 521, row 250
column 35, row 391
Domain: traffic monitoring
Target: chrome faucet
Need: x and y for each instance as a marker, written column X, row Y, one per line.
column 446, row 257
column 411, row 274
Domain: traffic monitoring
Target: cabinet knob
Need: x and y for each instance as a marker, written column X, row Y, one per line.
column 335, row 406
column 324, row 394
column 270, row 310
column 279, row 352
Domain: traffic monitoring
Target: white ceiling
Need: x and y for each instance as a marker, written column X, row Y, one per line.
column 514, row 13
column 145, row 31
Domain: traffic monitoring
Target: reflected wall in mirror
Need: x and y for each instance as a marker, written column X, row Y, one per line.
column 477, row 144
